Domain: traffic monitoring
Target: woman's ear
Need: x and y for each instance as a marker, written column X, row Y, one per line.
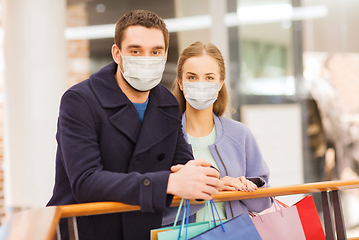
column 221, row 82
column 180, row 84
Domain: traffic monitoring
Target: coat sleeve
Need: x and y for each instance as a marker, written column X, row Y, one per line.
column 183, row 150
column 77, row 138
column 256, row 171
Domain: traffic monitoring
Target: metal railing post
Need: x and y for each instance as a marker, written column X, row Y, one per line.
column 338, row 214
column 73, row 232
column 327, row 214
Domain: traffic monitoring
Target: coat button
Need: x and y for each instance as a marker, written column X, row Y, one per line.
column 146, row 182
column 161, row 156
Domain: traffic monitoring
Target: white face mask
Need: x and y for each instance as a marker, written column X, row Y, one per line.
column 201, row 95
column 143, row 73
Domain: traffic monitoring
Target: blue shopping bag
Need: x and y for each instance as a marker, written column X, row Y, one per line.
column 240, row 227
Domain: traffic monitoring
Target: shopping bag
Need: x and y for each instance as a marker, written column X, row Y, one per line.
column 192, row 229
column 297, row 222
column 309, row 218
column 240, row 227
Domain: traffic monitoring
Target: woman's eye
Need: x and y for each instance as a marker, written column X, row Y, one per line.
column 210, row 78
column 191, row 78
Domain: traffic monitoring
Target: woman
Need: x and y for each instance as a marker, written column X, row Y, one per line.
column 227, row 144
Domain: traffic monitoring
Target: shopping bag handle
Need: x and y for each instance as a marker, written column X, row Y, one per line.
column 276, row 203
column 186, row 212
column 178, row 212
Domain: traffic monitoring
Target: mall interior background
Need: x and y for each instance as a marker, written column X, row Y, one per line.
column 292, row 69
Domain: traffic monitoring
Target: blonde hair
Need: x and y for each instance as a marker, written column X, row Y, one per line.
column 198, row 49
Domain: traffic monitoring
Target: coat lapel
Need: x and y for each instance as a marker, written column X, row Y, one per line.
column 124, row 116
column 156, row 126
column 127, row 121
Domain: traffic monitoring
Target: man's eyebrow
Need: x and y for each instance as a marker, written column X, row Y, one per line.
column 159, row 47
column 133, row 46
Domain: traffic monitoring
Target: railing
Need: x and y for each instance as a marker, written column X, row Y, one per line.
column 41, row 224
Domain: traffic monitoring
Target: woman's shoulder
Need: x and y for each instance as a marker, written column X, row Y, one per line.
column 232, row 126
column 235, row 130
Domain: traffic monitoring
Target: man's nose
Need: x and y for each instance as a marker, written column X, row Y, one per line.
column 147, row 54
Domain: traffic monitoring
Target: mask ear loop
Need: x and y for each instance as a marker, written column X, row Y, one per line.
column 122, row 62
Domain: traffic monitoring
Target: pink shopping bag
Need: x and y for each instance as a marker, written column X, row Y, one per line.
column 297, row 222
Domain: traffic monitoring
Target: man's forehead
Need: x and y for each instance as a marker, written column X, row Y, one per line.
column 143, row 37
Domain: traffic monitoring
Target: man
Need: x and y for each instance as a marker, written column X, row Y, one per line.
column 119, row 134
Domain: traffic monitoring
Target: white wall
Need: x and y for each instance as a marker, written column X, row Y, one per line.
column 35, row 78
column 278, row 132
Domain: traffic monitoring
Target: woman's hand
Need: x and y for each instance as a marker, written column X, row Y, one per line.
column 251, row 186
column 235, row 184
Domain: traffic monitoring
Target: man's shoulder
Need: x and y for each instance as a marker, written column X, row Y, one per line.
column 82, row 87
column 163, row 95
column 98, row 82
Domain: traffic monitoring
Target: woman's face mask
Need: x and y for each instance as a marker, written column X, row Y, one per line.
column 201, row 95
column 143, row 73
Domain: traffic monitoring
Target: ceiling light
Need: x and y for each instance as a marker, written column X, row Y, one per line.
column 100, row 8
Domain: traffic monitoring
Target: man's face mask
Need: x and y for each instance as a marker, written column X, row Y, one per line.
column 201, row 95
column 143, row 73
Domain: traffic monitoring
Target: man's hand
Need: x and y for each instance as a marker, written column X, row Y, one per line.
column 195, row 180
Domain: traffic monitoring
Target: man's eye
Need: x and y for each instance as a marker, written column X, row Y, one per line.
column 156, row 53
column 135, row 52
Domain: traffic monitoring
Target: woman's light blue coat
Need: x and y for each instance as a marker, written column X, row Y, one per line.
column 236, row 153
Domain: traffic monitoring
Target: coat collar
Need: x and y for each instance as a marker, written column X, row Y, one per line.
column 106, row 89
column 158, row 123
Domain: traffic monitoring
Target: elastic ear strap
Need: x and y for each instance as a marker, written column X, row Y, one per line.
column 178, row 212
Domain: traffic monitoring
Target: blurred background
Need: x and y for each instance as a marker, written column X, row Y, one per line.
column 292, row 70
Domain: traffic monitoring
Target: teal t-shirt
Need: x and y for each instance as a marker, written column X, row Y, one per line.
column 201, row 150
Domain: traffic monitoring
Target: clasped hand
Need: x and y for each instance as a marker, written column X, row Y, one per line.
column 194, row 180
column 197, row 180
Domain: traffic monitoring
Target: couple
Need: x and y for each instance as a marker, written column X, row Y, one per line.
column 120, row 136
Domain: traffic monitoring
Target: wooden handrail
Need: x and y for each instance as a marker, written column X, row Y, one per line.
column 84, row 209
column 40, row 224
column 32, row 224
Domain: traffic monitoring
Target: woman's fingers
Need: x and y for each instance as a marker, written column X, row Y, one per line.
column 250, row 186
column 241, row 184
column 233, row 183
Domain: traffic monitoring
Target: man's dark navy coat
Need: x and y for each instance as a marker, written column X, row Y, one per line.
column 106, row 154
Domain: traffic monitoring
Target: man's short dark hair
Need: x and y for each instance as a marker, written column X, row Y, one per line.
column 142, row 18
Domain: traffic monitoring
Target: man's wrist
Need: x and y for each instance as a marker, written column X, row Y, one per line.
column 170, row 184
